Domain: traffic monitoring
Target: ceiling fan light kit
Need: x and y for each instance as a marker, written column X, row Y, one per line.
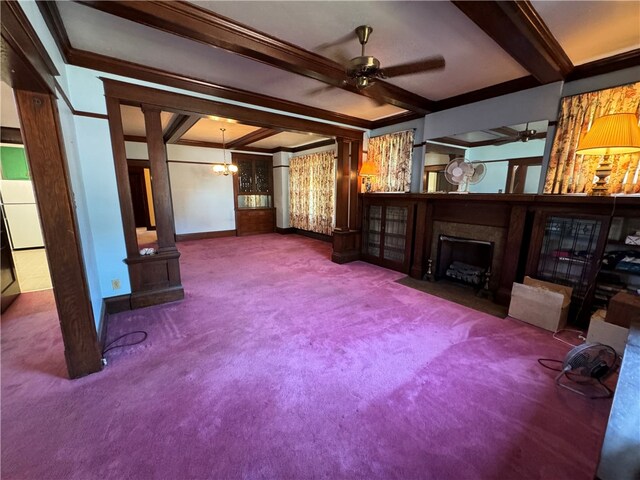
column 364, row 70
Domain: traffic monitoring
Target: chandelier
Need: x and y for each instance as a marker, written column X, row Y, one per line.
column 224, row 168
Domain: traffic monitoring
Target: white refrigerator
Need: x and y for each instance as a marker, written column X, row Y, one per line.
column 21, row 213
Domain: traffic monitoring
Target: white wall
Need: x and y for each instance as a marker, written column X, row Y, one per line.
column 82, row 210
column 281, row 188
column 539, row 103
column 202, row 201
column 494, row 180
column 103, row 205
column 532, row 148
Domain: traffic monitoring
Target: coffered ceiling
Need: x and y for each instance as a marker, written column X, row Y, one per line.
column 289, row 55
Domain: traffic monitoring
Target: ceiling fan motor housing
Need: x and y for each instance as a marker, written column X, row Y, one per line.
column 365, row 67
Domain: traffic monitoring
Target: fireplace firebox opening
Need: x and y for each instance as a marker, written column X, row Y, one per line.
column 464, row 260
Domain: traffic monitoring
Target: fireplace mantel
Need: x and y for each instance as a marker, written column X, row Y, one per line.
column 517, row 217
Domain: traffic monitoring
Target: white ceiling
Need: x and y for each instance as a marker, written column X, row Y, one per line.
column 289, row 140
column 402, row 31
column 589, row 31
column 208, row 129
column 133, row 120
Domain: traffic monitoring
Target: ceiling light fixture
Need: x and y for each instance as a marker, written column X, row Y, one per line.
column 224, row 168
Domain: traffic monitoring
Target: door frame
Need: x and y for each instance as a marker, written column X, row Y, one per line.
column 29, row 70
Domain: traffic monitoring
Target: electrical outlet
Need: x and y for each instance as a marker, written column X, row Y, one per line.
column 115, row 284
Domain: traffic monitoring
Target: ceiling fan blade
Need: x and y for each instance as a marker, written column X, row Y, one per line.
column 418, row 66
column 344, row 39
column 319, row 90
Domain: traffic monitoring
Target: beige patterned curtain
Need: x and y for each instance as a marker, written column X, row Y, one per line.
column 312, row 180
column 392, row 154
column 571, row 173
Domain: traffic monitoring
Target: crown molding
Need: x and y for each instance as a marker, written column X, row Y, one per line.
column 521, row 32
column 201, row 25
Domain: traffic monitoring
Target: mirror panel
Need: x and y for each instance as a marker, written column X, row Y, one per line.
column 511, row 155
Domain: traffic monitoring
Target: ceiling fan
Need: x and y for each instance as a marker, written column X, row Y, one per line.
column 364, row 70
column 520, row 136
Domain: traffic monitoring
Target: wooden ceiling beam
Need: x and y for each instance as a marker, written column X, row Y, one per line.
column 509, row 132
column 253, row 137
column 179, row 125
column 201, row 25
column 521, row 32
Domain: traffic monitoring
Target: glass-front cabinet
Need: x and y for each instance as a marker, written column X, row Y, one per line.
column 387, row 233
column 566, row 249
column 253, row 188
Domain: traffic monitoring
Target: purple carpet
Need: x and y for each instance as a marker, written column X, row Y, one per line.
column 280, row 364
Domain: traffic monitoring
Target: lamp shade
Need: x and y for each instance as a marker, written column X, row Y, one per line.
column 614, row 134
column 369, row 169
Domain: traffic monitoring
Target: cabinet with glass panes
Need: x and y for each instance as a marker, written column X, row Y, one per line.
column 387, row 232
column 620, row 270
column 253, row 189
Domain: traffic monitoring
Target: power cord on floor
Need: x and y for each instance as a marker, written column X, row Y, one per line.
column 111, row 346
column 579, row 332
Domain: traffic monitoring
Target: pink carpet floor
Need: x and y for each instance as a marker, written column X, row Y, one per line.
column 282, row 365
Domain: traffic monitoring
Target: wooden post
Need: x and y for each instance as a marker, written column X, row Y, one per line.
column 160, row 179
column 342, row 187
column 47, row 161
column 122, row 176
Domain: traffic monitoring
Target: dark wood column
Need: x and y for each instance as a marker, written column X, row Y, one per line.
column 122, row 176
column 47, row 161
column 354, row 199
column 511, row 258
column 346, row 235
column 342, row 185
column 160, row 179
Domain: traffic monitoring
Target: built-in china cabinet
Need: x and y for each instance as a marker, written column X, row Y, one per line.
column 589, row 243
column 253, row 192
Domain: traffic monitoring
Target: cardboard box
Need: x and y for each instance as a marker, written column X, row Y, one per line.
column 543, row 304
column 624, row 309
column 607, row 334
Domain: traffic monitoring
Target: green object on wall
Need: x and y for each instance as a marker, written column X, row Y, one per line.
column 14, row 164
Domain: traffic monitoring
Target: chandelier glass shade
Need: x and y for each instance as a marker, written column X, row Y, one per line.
column 224, row 168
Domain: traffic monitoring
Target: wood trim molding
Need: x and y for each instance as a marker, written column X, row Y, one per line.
column 104, row 63
column 135, row 138
column 200, row 143
column 180, row 125
column 75, row 112
column 51, row 14
column 606, row 65
column 10, row 135
column 504, row 88
column 522, row 33
column 201, row 25
column 253, row 137
column 180, row 103
column 108, row 64
column 285, row 231
column 121, row 303
column 25, row 62
column 47, row 162
column 399, row 118
column 304, row 148
column 183, row 237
